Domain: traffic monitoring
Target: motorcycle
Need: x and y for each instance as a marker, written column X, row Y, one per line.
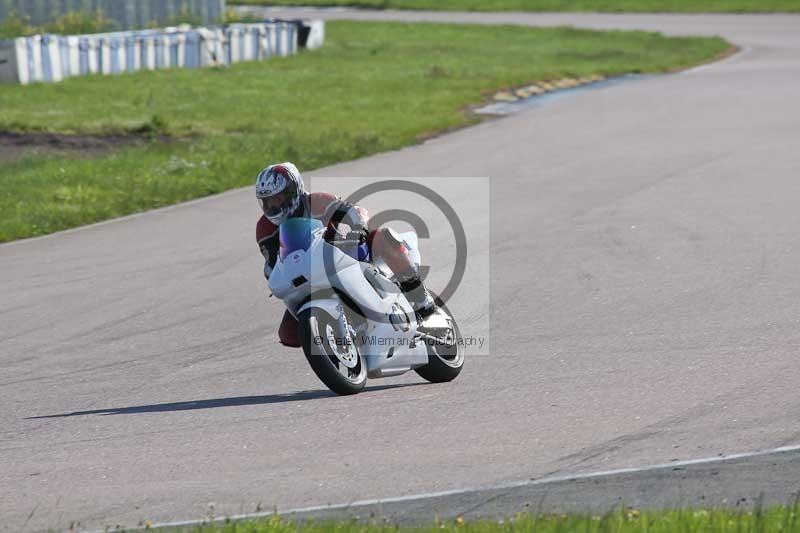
column 354, row 321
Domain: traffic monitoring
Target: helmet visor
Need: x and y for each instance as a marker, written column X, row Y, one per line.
column 279, row 204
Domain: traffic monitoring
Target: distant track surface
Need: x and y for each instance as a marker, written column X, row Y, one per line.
column 646, row 307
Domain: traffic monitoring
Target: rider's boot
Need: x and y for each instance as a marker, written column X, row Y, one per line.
column 417, row 295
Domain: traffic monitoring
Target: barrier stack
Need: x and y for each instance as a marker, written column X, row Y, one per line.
column 52, row 58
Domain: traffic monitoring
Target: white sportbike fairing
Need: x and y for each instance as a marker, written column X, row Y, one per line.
column 354, row 322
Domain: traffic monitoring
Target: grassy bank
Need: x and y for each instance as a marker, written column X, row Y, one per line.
column 773, row 520
column 372, row 87
column 650, row 6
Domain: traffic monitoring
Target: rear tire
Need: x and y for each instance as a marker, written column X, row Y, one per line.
column 330, row 360
column 444, row 363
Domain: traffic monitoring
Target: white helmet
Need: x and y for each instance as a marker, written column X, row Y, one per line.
column 279, row 189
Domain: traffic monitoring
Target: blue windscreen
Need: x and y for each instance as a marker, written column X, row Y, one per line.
column 297, row 234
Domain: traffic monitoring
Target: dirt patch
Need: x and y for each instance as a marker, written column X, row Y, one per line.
column 14, row 145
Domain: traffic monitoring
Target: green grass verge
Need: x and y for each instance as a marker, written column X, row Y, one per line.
column 772, row 520
column 650, row 6
column 372, row 87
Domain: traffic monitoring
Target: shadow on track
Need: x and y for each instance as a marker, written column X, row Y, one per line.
column 214, row 403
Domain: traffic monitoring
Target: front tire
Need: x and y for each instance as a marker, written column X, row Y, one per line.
column 336, row 362
column 444, row 362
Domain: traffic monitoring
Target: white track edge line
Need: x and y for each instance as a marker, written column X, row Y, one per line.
column 512, row 485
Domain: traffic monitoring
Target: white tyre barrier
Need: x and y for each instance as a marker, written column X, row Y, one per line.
column 52, row 58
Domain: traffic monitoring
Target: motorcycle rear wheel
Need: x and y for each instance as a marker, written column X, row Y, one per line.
column 338, row 364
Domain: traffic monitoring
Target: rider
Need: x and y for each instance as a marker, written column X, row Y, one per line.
column 281, row 195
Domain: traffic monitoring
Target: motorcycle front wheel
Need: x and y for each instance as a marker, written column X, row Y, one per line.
column 332, row 354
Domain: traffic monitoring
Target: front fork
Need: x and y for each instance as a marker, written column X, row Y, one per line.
column 346, row 330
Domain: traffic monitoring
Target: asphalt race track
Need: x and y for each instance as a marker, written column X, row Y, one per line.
column 645, row 308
